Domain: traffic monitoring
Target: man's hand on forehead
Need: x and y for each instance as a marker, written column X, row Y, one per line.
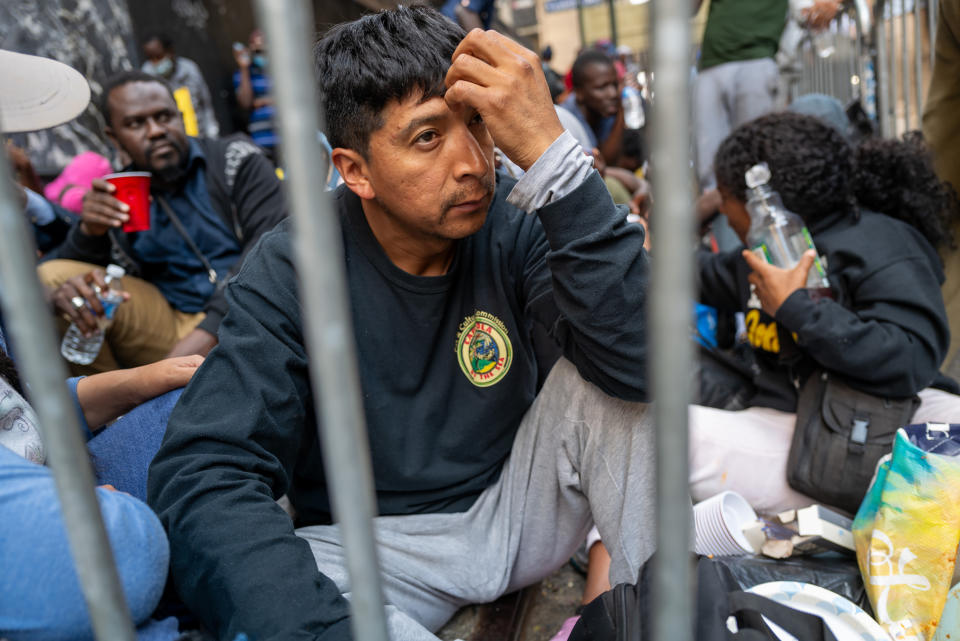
column 504, row 82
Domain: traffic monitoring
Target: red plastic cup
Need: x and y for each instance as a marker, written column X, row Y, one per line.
column 133, row 188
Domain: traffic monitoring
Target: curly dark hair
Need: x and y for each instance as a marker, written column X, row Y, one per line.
column 811, row 164
column 896, row 177
column 817, row 173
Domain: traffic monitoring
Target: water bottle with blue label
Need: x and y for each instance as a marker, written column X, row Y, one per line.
column 81, row 349
column 777, row 235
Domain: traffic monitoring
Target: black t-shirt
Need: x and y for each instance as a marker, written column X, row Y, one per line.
column 449, row 365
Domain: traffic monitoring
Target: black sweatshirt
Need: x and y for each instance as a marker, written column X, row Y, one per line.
column 885, row 332
column 448, row 367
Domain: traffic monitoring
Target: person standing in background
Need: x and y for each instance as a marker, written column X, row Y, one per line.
column 738, row 78
column 253, row 89
column 941, row 127
column 189, row 88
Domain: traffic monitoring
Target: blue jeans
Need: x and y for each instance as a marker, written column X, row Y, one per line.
column 121, row 452
column 41, row 594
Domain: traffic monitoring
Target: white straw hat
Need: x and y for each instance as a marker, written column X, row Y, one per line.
column 36, row 93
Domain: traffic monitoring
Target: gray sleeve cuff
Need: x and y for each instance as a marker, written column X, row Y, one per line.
column 562, row 168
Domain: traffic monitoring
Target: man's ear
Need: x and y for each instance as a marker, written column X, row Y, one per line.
column 353, row 169
column 112, row 137
column 122, row 156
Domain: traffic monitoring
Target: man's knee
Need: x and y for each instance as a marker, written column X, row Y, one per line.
column 54, row 273
column 567, row 395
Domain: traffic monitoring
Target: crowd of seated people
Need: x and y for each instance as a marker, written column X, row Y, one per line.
column 499, row 312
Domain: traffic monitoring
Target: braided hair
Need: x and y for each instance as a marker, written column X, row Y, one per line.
column 818, row 173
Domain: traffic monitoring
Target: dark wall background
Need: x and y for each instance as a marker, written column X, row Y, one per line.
column 101, row 37
column 204, row 31
column 92, row 36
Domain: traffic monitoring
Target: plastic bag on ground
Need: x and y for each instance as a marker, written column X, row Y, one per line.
column 907, row 530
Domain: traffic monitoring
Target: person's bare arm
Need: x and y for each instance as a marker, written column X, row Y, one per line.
column 627, row 178
column 610, row 148
column 821, row 13
column 23, row 170
column 244, row 92
column 199, row 341
column 695, row 6
column 106, row 396
column 598, row 573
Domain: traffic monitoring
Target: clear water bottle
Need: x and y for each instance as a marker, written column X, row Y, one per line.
column 633, row 116
column 776, row 234
column 81, row 349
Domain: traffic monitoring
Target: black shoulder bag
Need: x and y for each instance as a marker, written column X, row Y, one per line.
column 840, row 436
column 625, row 613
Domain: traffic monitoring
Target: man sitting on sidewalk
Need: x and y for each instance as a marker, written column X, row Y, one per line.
column 595, row 101
column 483, row 484
column 212, row 200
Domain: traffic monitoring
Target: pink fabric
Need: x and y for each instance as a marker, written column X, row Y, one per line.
column 79, row 174
column 564, row 633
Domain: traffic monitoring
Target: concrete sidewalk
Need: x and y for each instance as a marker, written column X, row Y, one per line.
column 534, row 614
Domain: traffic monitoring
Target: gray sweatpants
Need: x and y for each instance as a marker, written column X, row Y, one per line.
column 725, row 97
column 579, row 457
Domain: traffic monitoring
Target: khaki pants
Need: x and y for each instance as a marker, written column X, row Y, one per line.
column 144, row 329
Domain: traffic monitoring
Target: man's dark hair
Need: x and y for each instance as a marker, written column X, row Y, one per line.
column 818, row 173
column 364, row 64
column 164, row 39
column 589, row 57
column 125, row 78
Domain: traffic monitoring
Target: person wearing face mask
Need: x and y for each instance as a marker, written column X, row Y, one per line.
column 253, row 89
column 190, row 89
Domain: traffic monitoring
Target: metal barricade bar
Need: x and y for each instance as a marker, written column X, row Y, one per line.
column 904, row 63
column 841, row 71
column 670, row 299
column 328, row 330
column 38, row 359
column 901, row 97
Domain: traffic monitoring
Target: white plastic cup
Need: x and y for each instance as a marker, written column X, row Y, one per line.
column 719, row 523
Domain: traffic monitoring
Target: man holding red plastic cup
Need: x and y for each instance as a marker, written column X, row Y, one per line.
column 179, row 219
column 132, row 188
